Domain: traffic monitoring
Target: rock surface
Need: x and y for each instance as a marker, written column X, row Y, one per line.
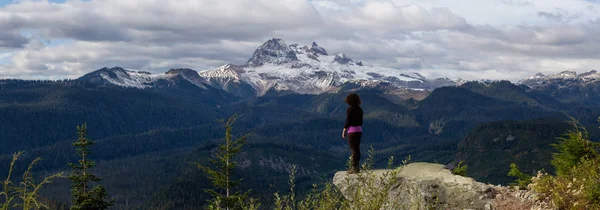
column 432, row 186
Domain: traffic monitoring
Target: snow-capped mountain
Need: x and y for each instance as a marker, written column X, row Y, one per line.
column 312, row 70
column 280, row 67
column 562, row 79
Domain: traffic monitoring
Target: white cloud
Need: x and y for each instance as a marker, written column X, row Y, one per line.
column 388, row 17
column 504, row 39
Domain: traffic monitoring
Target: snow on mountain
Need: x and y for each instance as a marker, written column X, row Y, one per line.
column 125, row 78
column 189, row 75
column 120, row 77
column 311, row 70
column 230, row 78
column 590, row 76
column 276, row 65
column 230, row 72
column 562, row 79
column 274, row 51
column 129, row 79
column 317, row 49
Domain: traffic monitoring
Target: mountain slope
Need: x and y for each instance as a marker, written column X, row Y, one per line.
column 490, row 148
column 54, row 108
column 454, row 111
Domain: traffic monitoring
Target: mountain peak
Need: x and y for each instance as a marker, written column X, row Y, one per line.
column 110, row 69
column 181, row 71
column 560, row 75
column 592, row 75
column 317, row 49
column 275, row 40
column 118, row 76
column 190, row 75
column 228, row 71
column 341, row 58
column 565, row 75
column 107, row 72
column 272, row 51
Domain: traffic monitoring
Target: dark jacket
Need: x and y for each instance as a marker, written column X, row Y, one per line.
column 354, row 116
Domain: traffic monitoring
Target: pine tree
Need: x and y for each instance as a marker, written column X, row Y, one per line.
column 222, row 170
column 86, row 196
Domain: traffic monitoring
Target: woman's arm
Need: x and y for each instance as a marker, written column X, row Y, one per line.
column 347, row 123
column 348, row 114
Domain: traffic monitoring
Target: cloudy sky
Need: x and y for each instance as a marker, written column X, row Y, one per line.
column 470, row 39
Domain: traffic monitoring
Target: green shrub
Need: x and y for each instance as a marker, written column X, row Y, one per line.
column 460, row 169
column 576, row 184
column 580, row 189
column 573, row 147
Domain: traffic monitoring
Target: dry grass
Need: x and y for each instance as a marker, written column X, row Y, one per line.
column 25, row 195
column 370, row 191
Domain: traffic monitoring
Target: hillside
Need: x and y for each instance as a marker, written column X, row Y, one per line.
column 490, row 148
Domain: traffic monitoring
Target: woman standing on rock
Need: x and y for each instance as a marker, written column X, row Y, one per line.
column 353, row 126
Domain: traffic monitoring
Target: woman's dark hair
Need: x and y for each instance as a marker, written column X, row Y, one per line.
column 353, row 99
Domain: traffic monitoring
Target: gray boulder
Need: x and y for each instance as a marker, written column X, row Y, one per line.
column 419, row 186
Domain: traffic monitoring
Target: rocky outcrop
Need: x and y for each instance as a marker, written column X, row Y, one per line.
column 342, row 58
column 432, row 186
column 426, row 186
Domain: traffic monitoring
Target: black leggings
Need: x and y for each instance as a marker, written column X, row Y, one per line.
column 354, row 143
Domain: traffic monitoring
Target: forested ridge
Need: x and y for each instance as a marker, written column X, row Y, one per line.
column 146, row 139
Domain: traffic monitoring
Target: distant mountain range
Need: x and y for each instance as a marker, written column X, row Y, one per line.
column 570, row 77
column 276, row 66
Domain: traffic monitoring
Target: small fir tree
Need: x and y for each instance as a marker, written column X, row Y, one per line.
column 522, row 179
column 222, row 171
column 85, row 196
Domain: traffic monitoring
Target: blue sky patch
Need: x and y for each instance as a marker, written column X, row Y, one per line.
column 7, row 2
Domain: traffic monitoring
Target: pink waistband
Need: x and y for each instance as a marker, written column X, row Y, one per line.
column 355, row 129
